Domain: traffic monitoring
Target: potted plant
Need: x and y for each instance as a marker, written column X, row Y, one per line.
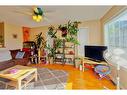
column 40, row 43
column 51, row 53
column 69, row 31
column 63, row 29
column 52, row 50
column 52, row 32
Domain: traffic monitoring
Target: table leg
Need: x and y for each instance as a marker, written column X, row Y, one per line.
column 18, row 84
column 83, row 67
column 35, row 75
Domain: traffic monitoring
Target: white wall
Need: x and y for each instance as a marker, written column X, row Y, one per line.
column 83, row 39
column 10, row 42
column 95, row 33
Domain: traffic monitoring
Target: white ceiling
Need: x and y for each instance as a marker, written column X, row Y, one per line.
column 56, row 15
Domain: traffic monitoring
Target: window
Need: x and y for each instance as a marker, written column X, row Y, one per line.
column 116, row 32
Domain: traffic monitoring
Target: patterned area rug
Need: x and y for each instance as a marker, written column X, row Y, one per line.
column 47, row 79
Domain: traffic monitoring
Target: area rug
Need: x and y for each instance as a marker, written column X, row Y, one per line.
column 48, row 79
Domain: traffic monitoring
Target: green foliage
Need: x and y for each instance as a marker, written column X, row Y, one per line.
column 72, row 27
column 62, row 27
column 72, row 30
column 73, row 40
column 51, row 51
column 57, row 44
column 52, row 32
column 39, row 40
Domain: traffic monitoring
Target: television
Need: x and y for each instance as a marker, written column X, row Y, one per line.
column 95, row 52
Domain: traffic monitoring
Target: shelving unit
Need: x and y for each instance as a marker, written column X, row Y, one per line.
column 66, row 53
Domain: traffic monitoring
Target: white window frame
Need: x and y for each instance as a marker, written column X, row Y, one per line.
column 106, row 36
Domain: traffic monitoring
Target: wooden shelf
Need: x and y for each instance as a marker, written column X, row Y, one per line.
column 64, row 49
column 69, row 54
column 59, row 53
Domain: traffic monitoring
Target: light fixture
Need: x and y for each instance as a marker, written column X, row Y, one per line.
column 38, row 14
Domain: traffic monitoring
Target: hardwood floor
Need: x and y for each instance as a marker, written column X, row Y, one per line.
column 81, row 80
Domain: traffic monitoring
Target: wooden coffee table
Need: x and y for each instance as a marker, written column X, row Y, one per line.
column 23, row 75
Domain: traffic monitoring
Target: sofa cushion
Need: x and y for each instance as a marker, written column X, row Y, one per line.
column 14, row 52
column 20, row 61
column 6, row 64
column 5, row 55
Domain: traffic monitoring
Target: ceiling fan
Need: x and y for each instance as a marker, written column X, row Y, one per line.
column 36, row 13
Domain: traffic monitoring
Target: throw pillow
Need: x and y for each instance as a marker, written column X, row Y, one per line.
column 20, row 54
column 14, row 52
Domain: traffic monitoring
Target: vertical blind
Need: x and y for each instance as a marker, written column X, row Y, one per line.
column 116, row 32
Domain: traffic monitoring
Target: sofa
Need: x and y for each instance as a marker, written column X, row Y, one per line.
column 8, row 59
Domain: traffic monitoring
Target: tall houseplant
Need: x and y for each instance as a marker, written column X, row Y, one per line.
column 41, row 43
column 52, row 50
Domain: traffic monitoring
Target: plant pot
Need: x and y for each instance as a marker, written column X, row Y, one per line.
column 51, row 60
column 64, row 31
column 77, row 63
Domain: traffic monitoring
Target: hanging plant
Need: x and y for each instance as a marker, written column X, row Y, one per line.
column 73, row 27
column 52, row 32
column 63, row 29
column 69, row 31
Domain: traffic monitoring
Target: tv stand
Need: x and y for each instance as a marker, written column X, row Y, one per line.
column 91, row 62
column 95, row 60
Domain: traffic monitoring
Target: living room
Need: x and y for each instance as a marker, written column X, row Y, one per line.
column 33, row 36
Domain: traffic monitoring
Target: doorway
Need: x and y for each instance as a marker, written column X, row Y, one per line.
column 83, row 40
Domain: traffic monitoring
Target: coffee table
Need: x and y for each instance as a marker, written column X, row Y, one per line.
column 21, row 77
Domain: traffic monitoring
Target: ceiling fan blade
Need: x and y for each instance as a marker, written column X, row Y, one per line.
column 25, row 13
column 48, row 11
column 46, row 19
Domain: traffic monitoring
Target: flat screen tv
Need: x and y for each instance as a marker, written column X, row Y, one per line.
column 95, row 52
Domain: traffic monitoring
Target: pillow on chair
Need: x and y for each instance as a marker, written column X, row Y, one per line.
column 19, row 54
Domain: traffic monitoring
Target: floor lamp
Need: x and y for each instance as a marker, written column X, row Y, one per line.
column 118, row 59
